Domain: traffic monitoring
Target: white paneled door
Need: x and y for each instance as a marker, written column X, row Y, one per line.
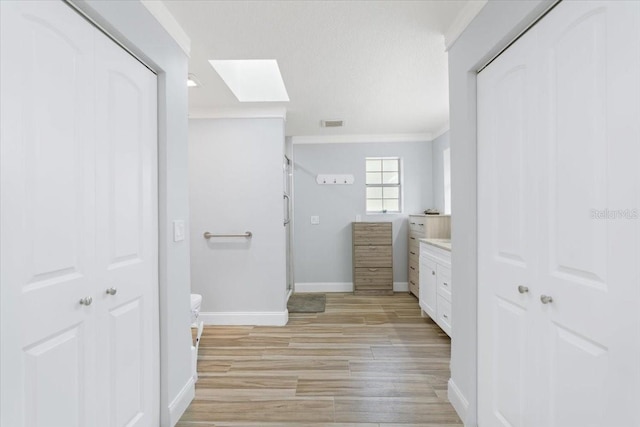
column 79, row 224
column 559, row 222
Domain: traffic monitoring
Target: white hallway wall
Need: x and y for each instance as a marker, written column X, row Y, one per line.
column 497, row 24
column 135, row 27
column 236, row 185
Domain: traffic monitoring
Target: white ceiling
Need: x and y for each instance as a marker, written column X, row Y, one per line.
column 380, row 66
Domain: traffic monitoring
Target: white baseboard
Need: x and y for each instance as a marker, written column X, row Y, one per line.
column 400, row 286
column 457, row 399
column 253, row 318
column 181, row 402
column 309, row 287
column 323, row 287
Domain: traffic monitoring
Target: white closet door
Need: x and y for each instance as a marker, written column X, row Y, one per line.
column 507, row 219
column 126, row 196
column 590, row 152
column 78, row 216
column 577, row 330
column 48, row 212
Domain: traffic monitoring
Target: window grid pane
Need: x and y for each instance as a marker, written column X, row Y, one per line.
column 382, row 179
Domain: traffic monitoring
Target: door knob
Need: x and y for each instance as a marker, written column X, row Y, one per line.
column 546, row 299
column 86, row 301
column 523, row 289
column 112, row 291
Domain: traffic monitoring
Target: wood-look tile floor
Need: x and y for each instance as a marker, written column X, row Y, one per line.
column 365, row 361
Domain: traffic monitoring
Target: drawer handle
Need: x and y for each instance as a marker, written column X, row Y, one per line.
column 411, row 281
column 411, row 268
column 445, row 316
column 373, row 269
column 412, row 253
column 445, row 283
column 421, row 225
column 413, row 238
column 412, row 223
column 433, row 273
column 373, row 248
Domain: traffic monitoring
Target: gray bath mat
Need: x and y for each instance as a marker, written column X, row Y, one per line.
column 306, row 303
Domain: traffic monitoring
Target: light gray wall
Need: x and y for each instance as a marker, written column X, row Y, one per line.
column 322, row 253
column 236, row 185
column 439, row 145
column 497, row 24
column 135, row 27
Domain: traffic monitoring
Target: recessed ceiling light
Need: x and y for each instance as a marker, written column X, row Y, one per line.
column 252, row 80
column 192, row 81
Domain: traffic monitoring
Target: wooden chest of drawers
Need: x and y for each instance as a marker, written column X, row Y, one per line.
column 372, row 258
column 423, row 227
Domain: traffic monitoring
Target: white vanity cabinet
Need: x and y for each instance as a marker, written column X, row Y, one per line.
column 435, row 281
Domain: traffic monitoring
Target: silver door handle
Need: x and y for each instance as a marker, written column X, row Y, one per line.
column 523, row 289
column 86, row 301
column 433, row 273
column 288, row 219
column 546, row 299
column 112, row 291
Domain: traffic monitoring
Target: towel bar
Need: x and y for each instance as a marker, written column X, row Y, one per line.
column 247, row 234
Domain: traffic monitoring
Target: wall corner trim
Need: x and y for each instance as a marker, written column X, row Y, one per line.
column 169, row 23
column 462, row 21
column 457, row 399
column 181, row 402
column 245, row 318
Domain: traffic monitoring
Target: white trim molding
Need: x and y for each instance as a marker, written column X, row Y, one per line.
column 169, row 23
column 462, row 21
column 248, row 318
column 181, row 402
column 444, row 129
column 346, row 139
column 309, row 287
column 457, row 400
column 400, row 286
column 239, row 113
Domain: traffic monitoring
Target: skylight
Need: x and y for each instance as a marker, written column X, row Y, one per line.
column 252, row 80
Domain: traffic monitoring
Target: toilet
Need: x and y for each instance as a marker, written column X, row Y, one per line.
column 196, row 303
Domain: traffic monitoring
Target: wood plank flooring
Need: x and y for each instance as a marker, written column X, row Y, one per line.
column 367, row 361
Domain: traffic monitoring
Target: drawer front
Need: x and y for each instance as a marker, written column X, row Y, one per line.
column 372, row 233
column 414, row 267
column 413, row 241
column 417, row 224
column 373, row 256
column 414, row 253
column 445, row 287
column 414, row 288
column 373, row 278
column 444, row 315
column 414, row 276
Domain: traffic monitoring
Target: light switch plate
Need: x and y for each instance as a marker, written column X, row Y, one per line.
column 178, row 230
column 315, row 220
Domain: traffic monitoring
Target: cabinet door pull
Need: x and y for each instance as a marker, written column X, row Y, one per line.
column 411, row 267
column 433, row 273
column 412, row 223
column 445, row 283
column 373, row 248
column 373, row 269
column 412, row 253
column 413, row 238
column 445, row 316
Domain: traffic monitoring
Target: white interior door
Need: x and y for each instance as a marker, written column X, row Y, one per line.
column 588, row 164
column 558, row 201
column 507, row 222
column 78, row 216
column 126, row 199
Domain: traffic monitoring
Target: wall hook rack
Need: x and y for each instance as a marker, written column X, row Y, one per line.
column 334, row 179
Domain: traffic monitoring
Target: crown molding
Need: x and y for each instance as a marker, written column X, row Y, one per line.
column 240, row 113
column 349, row 139
column 167, row 20
column 463, row 19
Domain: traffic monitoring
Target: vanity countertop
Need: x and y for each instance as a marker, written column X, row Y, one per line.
column 439, row 243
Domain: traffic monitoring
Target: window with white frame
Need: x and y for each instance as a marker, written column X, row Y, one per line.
column 383, row 184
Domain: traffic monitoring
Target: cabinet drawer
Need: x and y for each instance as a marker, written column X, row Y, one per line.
column 414, row 252
column 413, row 275
column 372, row 256
column 444, row 315
column 373, row 278
column 372, row 233
column 413, row 287
column 445, row 287
column 417, row 224
column 414, row 267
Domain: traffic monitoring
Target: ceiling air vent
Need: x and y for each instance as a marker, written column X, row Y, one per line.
column 332, row 123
